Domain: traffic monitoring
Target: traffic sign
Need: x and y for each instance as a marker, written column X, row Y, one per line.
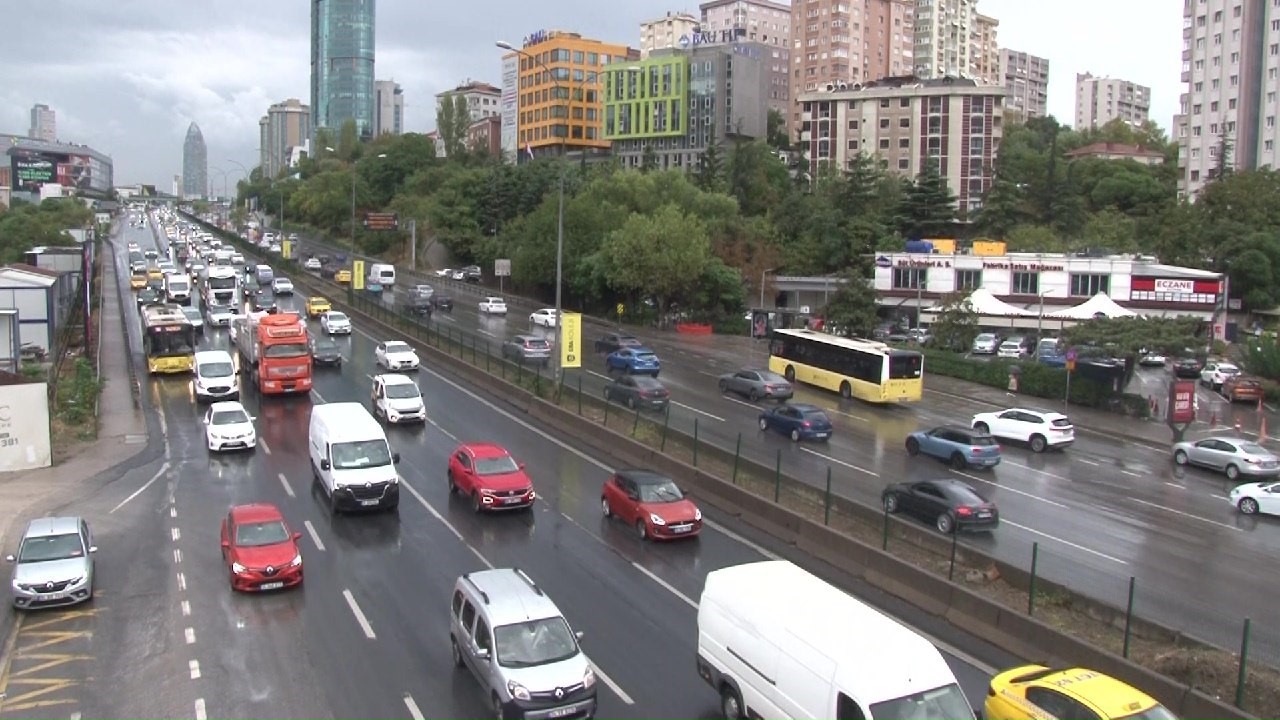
column 381, row 221
column 1071, row 365
column 621, row 309
column 502, row 267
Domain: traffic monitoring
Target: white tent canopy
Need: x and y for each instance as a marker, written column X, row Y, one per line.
column 1100, row 304
column 986, row 304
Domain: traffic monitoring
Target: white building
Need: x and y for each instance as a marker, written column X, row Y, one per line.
column 483, row 99
column 943, row 30
column 1099, row 100
column 665, row 32
column 1026, row 82
column 388, row 108
column 984, row 50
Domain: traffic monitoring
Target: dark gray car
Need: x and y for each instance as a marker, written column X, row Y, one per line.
column 756, row 383
column 638, row 391
column 529, row 349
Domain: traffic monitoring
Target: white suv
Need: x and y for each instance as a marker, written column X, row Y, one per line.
column 1041, row 429
column 335, row 323
column 493, row 306
column 395, row 355
column 397, row 399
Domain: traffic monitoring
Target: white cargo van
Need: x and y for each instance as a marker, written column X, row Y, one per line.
column 777, row 642
column 383, row 274
column 351, row 458
column 177, row 287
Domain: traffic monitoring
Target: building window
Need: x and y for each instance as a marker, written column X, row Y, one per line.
column 908, row 278
column 1026, row 283
column 904, row 122
column 884, row 123
column 968, row 279
column 904, row 164
column 1086, row 285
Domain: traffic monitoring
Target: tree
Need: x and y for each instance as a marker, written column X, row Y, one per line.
column 1111, row 230
column 24, row 226
column 1003, row 209
column 852, row 310
column 662, row 255
column 776, row 130
column 956, row 324
column 348, row 141
column 928, row 208
column 1034, row 238
column 756, row 178
column 453, row 121
column 1127, row 337
column 649, row 159
column 709, row 175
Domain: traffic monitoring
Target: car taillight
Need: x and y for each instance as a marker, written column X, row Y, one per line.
column 964, row 511
column 644, row 394
column 806, row 423
column 978, row 448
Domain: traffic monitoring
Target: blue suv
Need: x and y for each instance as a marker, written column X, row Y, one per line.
column 633, row 361
column 960, row 446
column 798, row 421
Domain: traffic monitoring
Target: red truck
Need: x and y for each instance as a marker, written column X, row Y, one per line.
column 274, row 352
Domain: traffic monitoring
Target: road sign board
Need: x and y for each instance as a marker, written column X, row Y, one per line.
column 1071, row 355
column 621, row 308
column 381, row 221
column 1071, row 365
column 502, row 267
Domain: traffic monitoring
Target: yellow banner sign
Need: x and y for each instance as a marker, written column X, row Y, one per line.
column 357, row 274
column 571, row 340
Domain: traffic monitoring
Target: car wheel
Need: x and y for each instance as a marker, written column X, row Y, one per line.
column 1180, row 457
column 846, row 390
column 764, row 424
column 958, row 462
column 753, row 395
column 913, row 447
column 724, row 386
column 1038, row 443
column 795, row 435
column 730, row 703
column 453, row 487
column 476, row 505
column 642, row 530
column 945, row 524
column 1233, row 472
column 1248, row 506
column 604, row 507
column 497, row 708
column 891, row 503
column 457, row 652
column 982, row 428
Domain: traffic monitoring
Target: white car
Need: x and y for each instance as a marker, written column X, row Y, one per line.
column 446, row 272
column 335, row 323
column 1041, row 429
column 282, row 286
column 395, row 355
column 493, row 306
column 457, row 275
column 311, row 264
column 1217, row 373
column 229, row 427
column 1254, row 498
column 220, row 315
column 1153, row 360
column 546, row 317
column 195, row 318
column 397, row 399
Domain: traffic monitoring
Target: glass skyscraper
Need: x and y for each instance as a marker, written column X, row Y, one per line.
column 195, row 164
column 342, row 37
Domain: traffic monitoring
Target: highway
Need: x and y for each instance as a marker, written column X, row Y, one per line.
column 1102, row 511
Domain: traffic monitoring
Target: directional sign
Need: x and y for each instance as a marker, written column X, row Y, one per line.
column 502, row 267
column 381, row 221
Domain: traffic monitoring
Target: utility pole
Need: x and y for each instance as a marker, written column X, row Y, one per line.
column 413, row 244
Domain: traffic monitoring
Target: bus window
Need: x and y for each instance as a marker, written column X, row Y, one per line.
column 904, row 365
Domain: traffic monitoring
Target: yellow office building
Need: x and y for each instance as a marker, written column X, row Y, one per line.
column 560, row 107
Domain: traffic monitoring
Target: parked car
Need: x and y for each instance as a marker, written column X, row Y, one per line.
column 798, row 421
column 325, row 351
column 613, row 341
column 1258, row 497
column 950, row 504
column 1041, row 429
column 985, row 344
column 1187, row 367
column 1239, row 388
column 493, row 306
column 492, row 479
column 756, row 383
column 528, row 349
column 1236, row 457
column 259, row 550
column 638, row 391
column 1152, row 359
column 54, row 564
column 546, row 317
column 633, row 361
column 1216, row 373
column 961, row 446
column 1017, row 346
column 651, row 503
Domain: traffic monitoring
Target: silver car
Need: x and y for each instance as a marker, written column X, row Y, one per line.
column 1234, row 456
column 54, row 564
column 986, row 344
column 755, row 383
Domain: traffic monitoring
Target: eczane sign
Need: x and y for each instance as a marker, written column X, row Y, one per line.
column 1176, row 286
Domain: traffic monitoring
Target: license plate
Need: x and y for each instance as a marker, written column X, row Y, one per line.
column 512, row 500
column 984, row 514
column 368, row 503
column 822, row 435
column 271, row 586
column 561, row 712
column 682, row 529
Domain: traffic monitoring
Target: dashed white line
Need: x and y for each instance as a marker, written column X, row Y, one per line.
column 1186, row 514
column 194, row 667
column 447, row 434
column 1130, row 473
column 414, row 712
column 315, row 537
column 1174, row 484
column 668, row 586
column 177, row 555
column 175, row 533
column 360, row 618
column 186, row 608
column 182, row 582
column 317, row 396
column 739, row 539
column 617, row 689
column 262, row 442
column 847, row 414
column 288, row 489
column 201, row 713
column 159, row 473
column 851, row 466
column 479, row 556
column 486, row 332
column 1006, row 488
column 700, row 412
column 1068, row 543
column 753, row 406
column 1037, row 470
column 173, row 512
column 190, row 635
column 1087, row 462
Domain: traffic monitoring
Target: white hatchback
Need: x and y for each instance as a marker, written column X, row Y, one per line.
column 546, row 317
column 493, row 306
column 229, row 427
column 1041, row 429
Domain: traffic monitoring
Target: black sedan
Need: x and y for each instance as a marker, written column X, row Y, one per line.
column 263, row 301
column 1187, row 367
column 148, row 295
column 326, row 351
column 441, row 302
column 638, row 391
column 950, row 505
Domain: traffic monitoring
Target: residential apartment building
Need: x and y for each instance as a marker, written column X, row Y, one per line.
column 342, row 49
column 388, row 108
column 1231, row 77
column 954, row 123
column 667, row 32
column 560, row 108
column 835, row 42
column 765, row 22
column 1026, row 84
column 483, row 100
column 287, row 125
column 984, row 51
column 677, row 103
column 44, row 123
column 485, row 136
column 943, row 36
column 195, row 165
column 1099, row 100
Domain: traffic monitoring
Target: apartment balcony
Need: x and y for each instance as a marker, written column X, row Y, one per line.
column 805, row 136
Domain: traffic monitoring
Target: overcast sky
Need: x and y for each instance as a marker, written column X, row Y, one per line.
column 126, row 77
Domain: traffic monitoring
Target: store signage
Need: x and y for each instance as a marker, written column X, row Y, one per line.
column 924, row 263
column 883, row 262
column 536, row 37
column 712, row 37
column 1182, row 401
column 1022, row 267
column 1175, row 286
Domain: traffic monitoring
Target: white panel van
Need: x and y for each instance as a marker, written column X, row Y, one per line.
column 351, row 458
column 777, row 642
column 383, row 274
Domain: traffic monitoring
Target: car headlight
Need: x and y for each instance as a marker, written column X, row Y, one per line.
column 297, row 560
column 653, row 518
column 588, row 677
column 237, row 568
column 75, row 581
column 517, row 690
column 697, row 514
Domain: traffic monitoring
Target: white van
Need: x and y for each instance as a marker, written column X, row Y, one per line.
column 177, row 287
column 777, row 642
column 215, row 377
column 383, row 274
column 263, row 274
column 352, row 459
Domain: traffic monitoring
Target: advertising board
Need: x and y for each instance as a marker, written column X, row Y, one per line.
column 24, row 427
column 32, row 169
column 1182, row 401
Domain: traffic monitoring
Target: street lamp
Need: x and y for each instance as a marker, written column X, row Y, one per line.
column 353, row 197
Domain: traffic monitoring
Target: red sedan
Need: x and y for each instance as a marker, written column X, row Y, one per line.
column 259, row 550
column 652, row 504
column 490, row 477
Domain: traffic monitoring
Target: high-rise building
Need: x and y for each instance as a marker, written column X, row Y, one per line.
column 483, row 100
column 44, row 123
column 342, row 45
column 195, row 164
column 1099, row 100
column 1026, row 84
column 765, row 22
column 560, row 108
column 835, row 43
column 388, row 108
column 943, row 33
column 984, row 51
column 287, row 125
column 666, row 32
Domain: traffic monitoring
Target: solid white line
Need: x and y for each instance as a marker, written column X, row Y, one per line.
column 190, row 634
column 265, row 447
column 1186, row 514
column 671, row 589
column 851, row 466
column 430, row 508
column 186, row 608
column 288, row 489
column 318, row 398
column 1010, row 489
column 163, row 469
column 182, row 582
column 175, row 533
column 414, row 712
column 617, row 690
column 201, row 714
column 482, row 558
column 700, row 412
column 315, row 537
column 194, row 667
column 177, row 555
column 1068, row 543
column 360, row 618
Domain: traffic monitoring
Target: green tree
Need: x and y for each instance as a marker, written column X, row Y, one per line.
column 649, row 159
column 709, row 175
column 453, row 121
column 1003, row 209
column 756, row 178
column 852, row 309
column 956, row 324
column 348, row 141
column 776, row 130
column 1034, row 238
column 662, row 255
column 24, row 225
column 928, row 208
column 1111, row 230
column 1127, row 337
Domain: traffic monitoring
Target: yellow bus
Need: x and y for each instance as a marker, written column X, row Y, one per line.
column 168, row 339
column 864, row 369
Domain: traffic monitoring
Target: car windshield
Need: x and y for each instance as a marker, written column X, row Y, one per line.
column 228, row 417
column 287, row 350
column 663, row 492
column 219, row 309
column 51, row 547
column 192, row 314
column 339, row 317
column 326, row 346
column 985, row 337
column 361, row 454
column 815, row 416
column 271, row 532
column 536, row 344
column 1156, row 712
column 1253, row 449
column 398, row 348
column 496, row 465
column 536, row 642
column 982, row 440
column 216, row 369
column 646, row 357
column 178, row 285
column 403, row 391
column 944, row 703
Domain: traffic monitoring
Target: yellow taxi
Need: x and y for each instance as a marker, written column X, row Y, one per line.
column 1036, row 692
column 317, row 306
column 342, row 277
column 137, row 281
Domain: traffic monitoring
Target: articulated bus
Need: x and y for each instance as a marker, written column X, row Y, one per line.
column 168, row 339
column 864, row 369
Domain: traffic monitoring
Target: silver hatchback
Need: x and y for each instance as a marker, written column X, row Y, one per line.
column 54, row 564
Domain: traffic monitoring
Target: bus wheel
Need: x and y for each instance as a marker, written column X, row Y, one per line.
column 845, row 390
column 790, row 373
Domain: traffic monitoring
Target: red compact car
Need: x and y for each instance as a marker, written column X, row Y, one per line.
column 652, row 504
column 490, row 477
column 259, row 550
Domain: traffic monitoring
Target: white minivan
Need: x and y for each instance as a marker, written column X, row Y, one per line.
column 177, row 287
column 215, row 377
column 352, row 459
column 382, row 274
column 777, row 642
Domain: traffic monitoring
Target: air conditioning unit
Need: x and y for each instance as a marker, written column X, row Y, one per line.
column 842, row 85
column 831, row 87
column 857, row 86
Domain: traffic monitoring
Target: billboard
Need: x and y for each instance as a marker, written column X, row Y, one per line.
column 32, row 169
column 571, row 331
column 1182, row 401
column 510, row 104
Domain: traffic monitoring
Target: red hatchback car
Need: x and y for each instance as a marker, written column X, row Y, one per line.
column 259, row 550
column 490, row 477
column 652, row 504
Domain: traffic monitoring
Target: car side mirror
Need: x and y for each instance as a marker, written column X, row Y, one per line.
column 10, row 558
column 579, row 634
column 253, row 418
column 205, row 421
column 93, row 549
column 324, row 465
column 521, row 466
column 482, row 653
column 226, row 544
column 395, row 457
column 297, row 536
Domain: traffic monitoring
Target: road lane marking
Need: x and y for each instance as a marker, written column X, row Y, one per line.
column 617, row 689
column 486, row 332
column 315, row 537
column 360, row 618
column 175, row 533
column 1012, row 490
column 1130, row 473
column 1036, row 470
column 1088, row 462
column 182, row 582
column 447, row 434
column 1174, row 484
column 1186, row 514
column 186, row 608
column 668, row 586
column 851, row 466
column 318, row 398
column 201, row 713
column 700, row 412
column 190, row 635
column 847, row 414
column 1068, row 543
column 740, row 539
column 265, row 446
column 194, row 667
column 753, row 406
column 177, row 555
column 288, row 489
column 163, row 469
column 414, row 712
column 173, row 512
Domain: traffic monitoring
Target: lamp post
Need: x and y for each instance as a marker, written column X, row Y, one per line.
column 353, row 197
